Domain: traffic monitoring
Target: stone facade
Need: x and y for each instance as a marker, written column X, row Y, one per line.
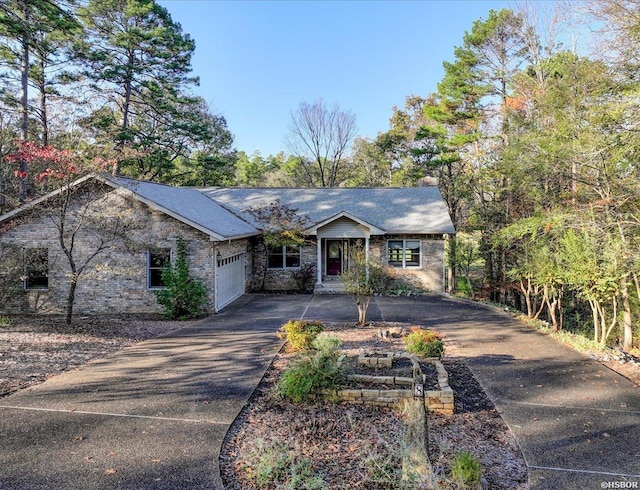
column 115, row 280
column 429, row 276
column 278, row 279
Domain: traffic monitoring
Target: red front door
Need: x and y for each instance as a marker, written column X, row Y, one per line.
column 334, row 257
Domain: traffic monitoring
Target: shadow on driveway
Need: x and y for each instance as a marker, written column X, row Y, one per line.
column 154, row 416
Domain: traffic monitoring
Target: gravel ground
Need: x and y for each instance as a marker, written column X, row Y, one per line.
column 33, row 349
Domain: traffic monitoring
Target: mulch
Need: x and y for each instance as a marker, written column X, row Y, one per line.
column 349, row 446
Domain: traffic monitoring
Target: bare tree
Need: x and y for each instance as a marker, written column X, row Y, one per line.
column 319, row 137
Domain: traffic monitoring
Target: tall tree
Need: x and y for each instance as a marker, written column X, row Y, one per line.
column 320, row 137
column 140, row 60
column 370, row 166
column 24, row 26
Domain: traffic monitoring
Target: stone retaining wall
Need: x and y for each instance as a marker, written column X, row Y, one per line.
column 437, row 401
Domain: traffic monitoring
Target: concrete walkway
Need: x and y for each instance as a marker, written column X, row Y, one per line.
column 153, row 416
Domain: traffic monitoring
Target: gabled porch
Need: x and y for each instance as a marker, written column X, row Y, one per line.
column 335, row 238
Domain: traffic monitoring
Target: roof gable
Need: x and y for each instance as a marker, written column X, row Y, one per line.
column 189, row 206
column 374, row 230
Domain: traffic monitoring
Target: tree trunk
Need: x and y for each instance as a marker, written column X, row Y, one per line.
column 72, row 296
column 527, row 296
column 128, row 88
column 362, row 303
column 24, row 108
column 44, row 118
column 627, row 319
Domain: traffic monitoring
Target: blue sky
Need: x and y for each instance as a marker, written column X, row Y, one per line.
column 258, row 60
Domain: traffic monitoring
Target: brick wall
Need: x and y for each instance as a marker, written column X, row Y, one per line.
column 115, row 281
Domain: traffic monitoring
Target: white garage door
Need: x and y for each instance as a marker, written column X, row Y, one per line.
column 230, row 280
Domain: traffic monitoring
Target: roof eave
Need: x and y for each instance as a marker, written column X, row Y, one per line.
column 46, row 197
column 373, row 229
column 213, row 235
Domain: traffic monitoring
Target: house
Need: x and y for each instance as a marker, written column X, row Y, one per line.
column 135, row 225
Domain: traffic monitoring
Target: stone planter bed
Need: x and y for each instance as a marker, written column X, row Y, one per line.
column 388, row 379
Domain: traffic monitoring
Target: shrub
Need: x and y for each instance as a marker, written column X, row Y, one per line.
column 269, row 463
column 183, row 296
column 305, row 277
column 311, row 373
column 326, row 343
column 424, row 343
column 273, row 463
column 466, row 469
column 300, row 333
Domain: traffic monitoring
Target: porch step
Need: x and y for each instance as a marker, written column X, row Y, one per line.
column 329, row 287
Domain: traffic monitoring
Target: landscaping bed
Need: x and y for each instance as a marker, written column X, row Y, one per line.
column 343, row 445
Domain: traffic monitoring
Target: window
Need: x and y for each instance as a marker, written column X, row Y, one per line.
column 286, row 257
column 404, row 253
column 157, row 259
column 36, row 268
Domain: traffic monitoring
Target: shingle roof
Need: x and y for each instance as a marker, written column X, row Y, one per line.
column 190, row 206
column 395, row 210
column 222, row 214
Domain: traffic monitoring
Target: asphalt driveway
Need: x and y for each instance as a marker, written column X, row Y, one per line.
column 149, row 417
column 153, row 416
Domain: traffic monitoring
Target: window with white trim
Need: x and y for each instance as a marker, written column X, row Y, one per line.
column 404, row 253
column 285, row 257
column 36, row 268
column 157, row 260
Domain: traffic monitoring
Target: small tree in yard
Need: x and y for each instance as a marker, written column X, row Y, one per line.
column 183, row 296
column 76, row 212
column 363, row 279
column 281, row 226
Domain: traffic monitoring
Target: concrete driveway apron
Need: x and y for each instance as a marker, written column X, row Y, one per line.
column 152, row 416
column 577, row 422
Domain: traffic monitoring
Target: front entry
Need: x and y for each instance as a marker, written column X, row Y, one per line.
column 336, row 251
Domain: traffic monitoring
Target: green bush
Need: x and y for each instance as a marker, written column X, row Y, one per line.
column 183, row 297
column 269, row 463
column 466, row 470
column 424, row 343
column 326, row 343
column 311, row 373
column 273, row 463
column 300, row 333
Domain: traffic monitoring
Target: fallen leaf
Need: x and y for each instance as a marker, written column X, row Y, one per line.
column 110, row 471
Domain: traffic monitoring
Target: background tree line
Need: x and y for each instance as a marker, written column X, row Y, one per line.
column 533, row 143
column 535, row 147
column 110, row 80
